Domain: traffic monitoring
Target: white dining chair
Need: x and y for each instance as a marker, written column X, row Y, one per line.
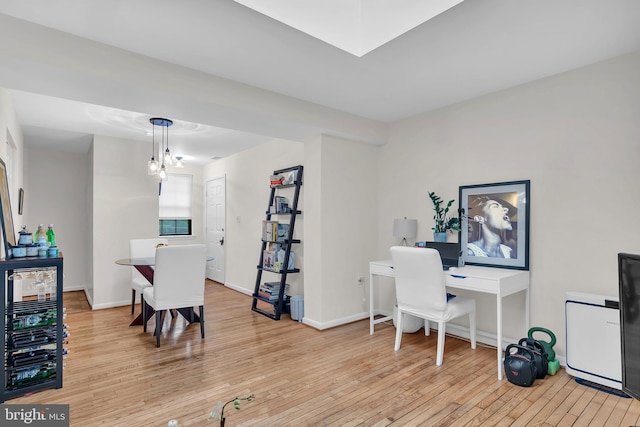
column 421, row 292
column 141, row 248
column 178, row 283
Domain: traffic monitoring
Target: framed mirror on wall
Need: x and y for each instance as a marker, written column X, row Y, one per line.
column 6, row 217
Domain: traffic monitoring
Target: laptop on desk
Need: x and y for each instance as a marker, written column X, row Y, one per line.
column 449, row 252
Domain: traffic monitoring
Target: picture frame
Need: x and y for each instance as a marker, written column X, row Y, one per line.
column 6, row 217
column 495, row 224
column 20, row 201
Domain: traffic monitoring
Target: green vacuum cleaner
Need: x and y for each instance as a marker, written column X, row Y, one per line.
column 554, row 365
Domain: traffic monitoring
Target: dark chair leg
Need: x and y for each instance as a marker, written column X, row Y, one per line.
column 159, row 317
column 145, row 319
column 133, row 299
column 202, row 321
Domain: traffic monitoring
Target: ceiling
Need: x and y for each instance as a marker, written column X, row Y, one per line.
column 474, row 48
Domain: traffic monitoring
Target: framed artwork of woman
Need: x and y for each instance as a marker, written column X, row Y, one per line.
column 495, row 224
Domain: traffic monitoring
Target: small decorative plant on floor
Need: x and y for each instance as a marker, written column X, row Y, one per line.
column 443, row 223
column 218, row 412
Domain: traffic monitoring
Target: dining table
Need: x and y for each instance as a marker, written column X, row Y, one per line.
column 145, row 267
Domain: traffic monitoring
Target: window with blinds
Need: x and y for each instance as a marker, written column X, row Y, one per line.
column 175, row 205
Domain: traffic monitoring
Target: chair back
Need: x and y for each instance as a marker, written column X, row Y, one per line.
column 179, row 276
column 420, row 281
column 143, row 248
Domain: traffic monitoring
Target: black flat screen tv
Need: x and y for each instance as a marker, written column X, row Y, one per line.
column 629, row 290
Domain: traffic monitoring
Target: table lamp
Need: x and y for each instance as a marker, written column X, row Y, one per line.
column 405, row 228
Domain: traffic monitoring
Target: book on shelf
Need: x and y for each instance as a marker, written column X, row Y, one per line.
column 282, row 232
column 272, row 231
column 276, row 180
column 290, row 178
column 268, row 259
column 281, row 205
column 269, row 230
column 280, row 256
column 272, row 246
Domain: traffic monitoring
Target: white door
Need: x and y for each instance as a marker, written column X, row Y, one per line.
column 215, row 228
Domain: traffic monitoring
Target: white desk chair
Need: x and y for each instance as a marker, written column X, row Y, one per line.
column 421, row 292
column 141, row 248
column 178, row 283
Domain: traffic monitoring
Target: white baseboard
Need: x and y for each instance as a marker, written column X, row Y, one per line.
column 238, row 288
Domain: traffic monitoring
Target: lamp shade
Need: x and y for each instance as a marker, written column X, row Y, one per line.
column 404, row 228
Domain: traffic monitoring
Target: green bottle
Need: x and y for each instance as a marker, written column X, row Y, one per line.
column 51, row 236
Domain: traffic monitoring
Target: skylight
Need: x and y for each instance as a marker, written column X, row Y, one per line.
column 355, row 26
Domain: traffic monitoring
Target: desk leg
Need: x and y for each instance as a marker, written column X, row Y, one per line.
column 526, row 310
column 499, row 337
column 371, row 304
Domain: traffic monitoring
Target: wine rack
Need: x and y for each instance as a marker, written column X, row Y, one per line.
column 33, row 332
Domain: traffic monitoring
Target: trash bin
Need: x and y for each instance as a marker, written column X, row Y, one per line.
column 297, row 307
column 412, row 324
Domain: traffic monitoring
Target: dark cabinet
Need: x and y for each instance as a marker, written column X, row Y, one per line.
column 33, row 330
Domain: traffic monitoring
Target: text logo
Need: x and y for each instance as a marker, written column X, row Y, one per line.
column 34, row 415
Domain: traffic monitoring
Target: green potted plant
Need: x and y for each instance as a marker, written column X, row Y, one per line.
column 444, row 223
column 218, row 412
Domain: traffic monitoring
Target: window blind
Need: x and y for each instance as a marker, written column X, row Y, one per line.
column 175, row 198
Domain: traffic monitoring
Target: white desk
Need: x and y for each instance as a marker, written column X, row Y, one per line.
column 497, row 281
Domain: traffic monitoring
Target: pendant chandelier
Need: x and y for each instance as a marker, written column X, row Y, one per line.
column 164, row 154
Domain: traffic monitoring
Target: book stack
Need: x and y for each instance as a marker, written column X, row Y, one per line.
column 270, row 290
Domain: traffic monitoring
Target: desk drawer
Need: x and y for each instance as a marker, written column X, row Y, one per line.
column 381, row 269
column 472, row 283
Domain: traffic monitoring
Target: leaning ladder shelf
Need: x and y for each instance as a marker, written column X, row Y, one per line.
column 274, row 307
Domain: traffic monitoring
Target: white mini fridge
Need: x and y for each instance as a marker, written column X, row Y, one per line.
column 593, row 338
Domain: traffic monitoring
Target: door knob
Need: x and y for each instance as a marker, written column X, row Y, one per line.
column 222, row 241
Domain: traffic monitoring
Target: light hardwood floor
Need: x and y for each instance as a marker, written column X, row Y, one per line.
column 115, row 376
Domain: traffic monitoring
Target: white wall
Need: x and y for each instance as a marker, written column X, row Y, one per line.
column 341, row 229
column 10, row 129
column 247, row 196
column 125, row 206
column 57, row 191
column 575, row 136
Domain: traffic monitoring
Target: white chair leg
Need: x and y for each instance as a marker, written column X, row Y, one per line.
column 427, row 328
column 396, row 347
column 472, row 329
column 440, row 350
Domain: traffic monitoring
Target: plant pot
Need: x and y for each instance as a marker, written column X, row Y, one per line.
column 439, row 237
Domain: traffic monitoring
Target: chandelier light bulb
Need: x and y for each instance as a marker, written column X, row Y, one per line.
column 152, row 166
